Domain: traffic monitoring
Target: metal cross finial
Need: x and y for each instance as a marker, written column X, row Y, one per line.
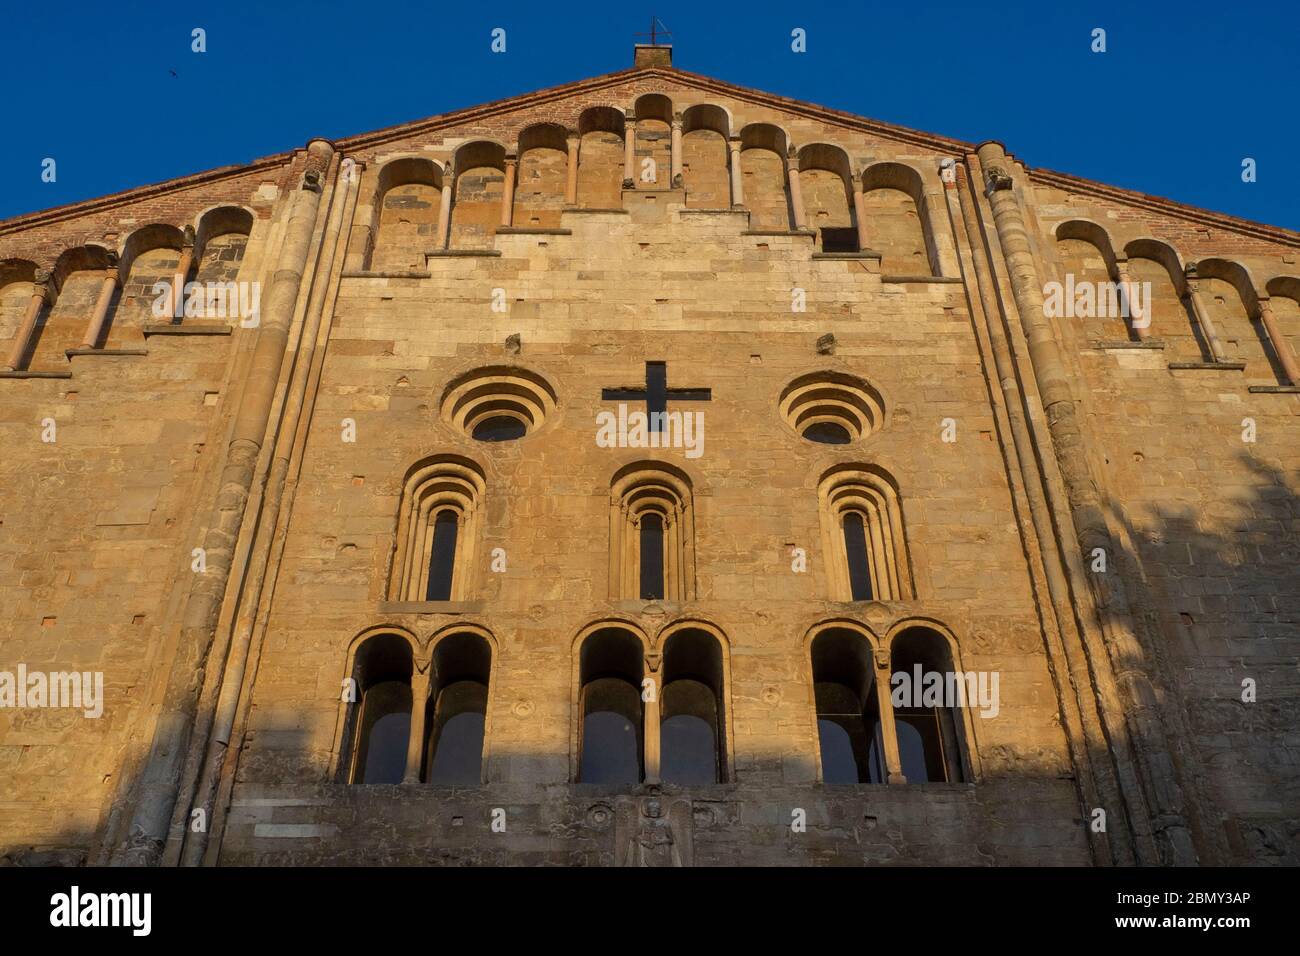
column 657, row 28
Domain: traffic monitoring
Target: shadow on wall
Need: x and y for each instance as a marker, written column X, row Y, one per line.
column 1226, row 583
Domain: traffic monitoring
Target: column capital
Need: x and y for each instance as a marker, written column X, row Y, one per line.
column 677, row 121
column 997, row 178
column 41, row 282
column 511, row 159
column 187, row 237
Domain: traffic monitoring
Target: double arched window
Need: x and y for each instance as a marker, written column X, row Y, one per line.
column 410, row 725
column 651, row 715
column 889, row 716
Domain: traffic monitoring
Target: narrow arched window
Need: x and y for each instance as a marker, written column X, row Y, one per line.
column 379, row 721
column 456, row 711
column 611, row 734
column 692, row 711
column 652, row 557
column 848, row 709
column 928, row 722
column 442, row 555
column 855, row 552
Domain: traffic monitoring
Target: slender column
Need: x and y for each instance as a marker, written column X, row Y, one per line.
column 629, row 153
column 676, row 181
column 40, row 291
column 860, row 212
column 176, row 308
column 737, row 179
column 1138, row 317
column 888, row 728
column 1203, row 316
column 444, row 209
column 96, row 327
column 420, row 684
column 161, row 774
column 796, row 192
column 650, row 709
column 508, row 191
column 571, row 187
column 1280, row 345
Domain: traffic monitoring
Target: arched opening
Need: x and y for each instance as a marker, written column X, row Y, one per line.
column 611, row 735
column 926, row 714
column 652, row 534
column 442, row 555
column 380, row 718
column 855, row 550
column 825, row 182
column 409, row 199
column 849, row 728
column 863, row 528
column 692, row 710
column 893, row 202
column 542, row 176
column 456, row 711
column 763, row 172
column 653, row 157
column 476, row 204
column 705, row 163
column 437, row 531
column 1170, row 311
column 600, row 162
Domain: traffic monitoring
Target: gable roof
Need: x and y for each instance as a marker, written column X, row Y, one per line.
column 891, row 131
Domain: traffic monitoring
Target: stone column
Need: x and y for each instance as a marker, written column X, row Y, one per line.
column 444, row 208
column 676, row 181
column 650, row 716
column 1280, row 345
column 96, row 327
column 796, row 192
column 629, row 153
column 888, row 727
column 1202, row 314
column 571, row 186
column 176, row 308
column 508, row 191
column 1136, row 722
column 40, row 291
column 860, row 212
column 420, row 686
column 737, row 178
column 160, row 776
column 1138, row 317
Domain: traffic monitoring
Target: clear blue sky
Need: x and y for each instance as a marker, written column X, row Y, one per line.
column 1184, row 92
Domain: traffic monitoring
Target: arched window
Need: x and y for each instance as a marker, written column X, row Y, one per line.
column 863, row 532
column 692, row 710
column 652, row 546
column 611, row 734
column 927, row 718
column 652, row 556
column 442, row 555
column 456, row 711
column 437, row 531
column 849, row 727
column 378, row 731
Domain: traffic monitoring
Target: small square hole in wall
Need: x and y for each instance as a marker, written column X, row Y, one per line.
column 756, row 360
column 137, row 620
column 644, row 245
column 458, row 821
column 1186, row 618
column 49, row 621
column 986, row 436
column 358, row 481
column 661, row 301
column 764, row 245
column 70, row 396
column 210, row 398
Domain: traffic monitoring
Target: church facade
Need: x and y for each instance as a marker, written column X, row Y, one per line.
column 648, row 471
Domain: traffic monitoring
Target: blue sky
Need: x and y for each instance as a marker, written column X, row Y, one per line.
column 1184, row 92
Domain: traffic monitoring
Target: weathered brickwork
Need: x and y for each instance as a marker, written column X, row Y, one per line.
column 419, row 282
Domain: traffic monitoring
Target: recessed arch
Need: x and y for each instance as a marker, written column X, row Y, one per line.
column 826, row 183
column 651, row 516
column 608, row 736
column 438, row 527
column 764, row 148
column 864, row 534
column 1090, row 232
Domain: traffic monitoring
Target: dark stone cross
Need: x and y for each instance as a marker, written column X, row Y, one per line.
column 656, row 394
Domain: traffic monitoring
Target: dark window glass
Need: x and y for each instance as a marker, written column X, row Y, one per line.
column 442, row 562
column 855, row 549
column 500, row 428
column 455, row 752
column 920, row 745
column 611, row 738
column 384, row 733
column 688, row 737
column 652, row 557
column 827, row 433
column 839, row 239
